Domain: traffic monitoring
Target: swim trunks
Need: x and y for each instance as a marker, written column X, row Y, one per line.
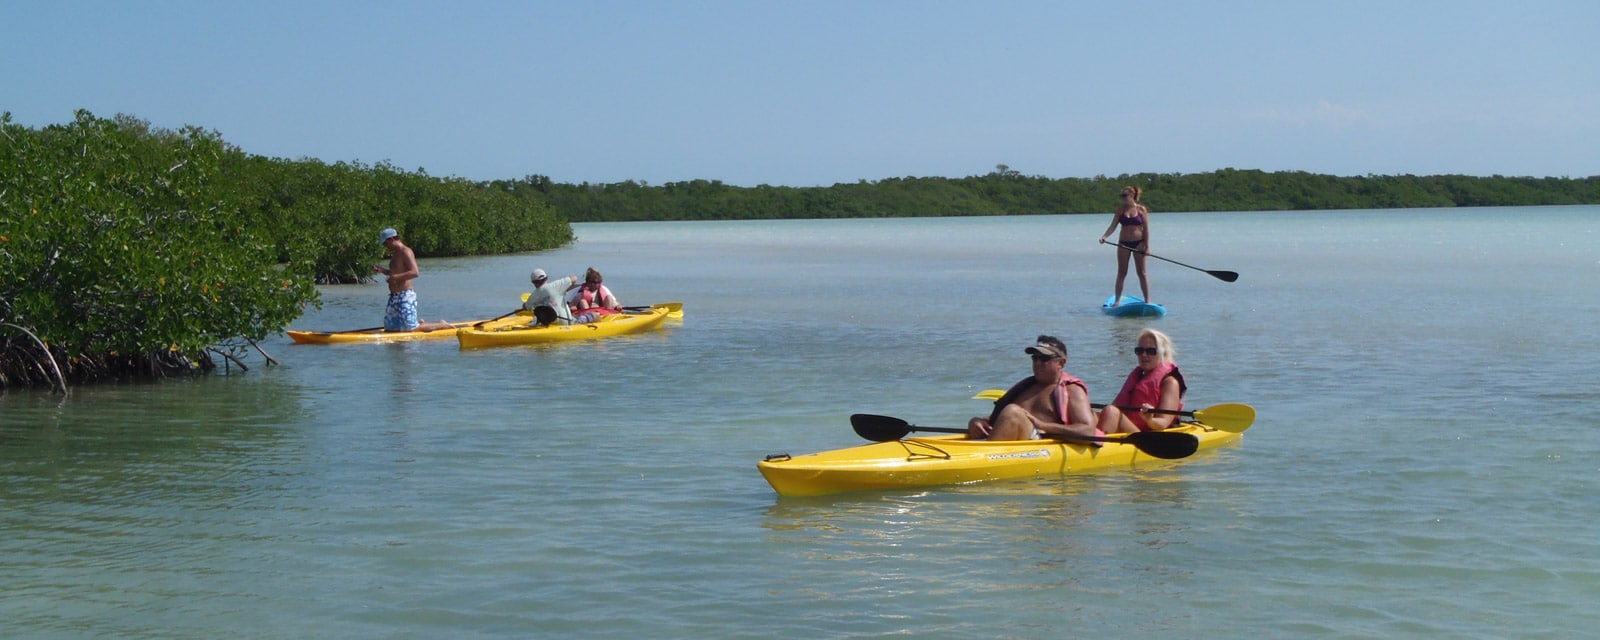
column 401, row 313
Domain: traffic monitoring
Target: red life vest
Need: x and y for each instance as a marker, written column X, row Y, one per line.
column 593, row 298
column 1060, row 395
column 1143, row 388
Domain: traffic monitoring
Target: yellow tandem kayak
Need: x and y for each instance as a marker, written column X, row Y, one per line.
column 514, row 330
column 953, row 459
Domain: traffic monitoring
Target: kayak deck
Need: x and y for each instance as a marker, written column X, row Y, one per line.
column 514, row 329
column 941, row 460
column 375, row 334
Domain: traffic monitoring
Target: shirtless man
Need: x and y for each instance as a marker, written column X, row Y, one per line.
column 401, row 312
column 1051, row 401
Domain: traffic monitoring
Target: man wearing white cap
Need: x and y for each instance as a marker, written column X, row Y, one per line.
column 1049, row 402
column 401, row 312
column 551, row 294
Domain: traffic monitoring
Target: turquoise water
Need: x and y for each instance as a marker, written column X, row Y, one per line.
column 1424, row 462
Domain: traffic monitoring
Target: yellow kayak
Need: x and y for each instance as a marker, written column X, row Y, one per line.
column 374, row 334
column 513, row 330
column 953, row 459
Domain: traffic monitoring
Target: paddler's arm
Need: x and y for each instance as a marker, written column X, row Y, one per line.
column 1078, row 410
column 403, row 267
column 1171, row 399
column 1145, row 222
column 1116, row 219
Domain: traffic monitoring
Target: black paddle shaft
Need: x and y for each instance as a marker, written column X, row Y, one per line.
column 1158, row 444
column 1225, row 276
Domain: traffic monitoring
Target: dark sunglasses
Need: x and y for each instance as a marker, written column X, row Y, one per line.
column 1146, row 351
column 1039, row 357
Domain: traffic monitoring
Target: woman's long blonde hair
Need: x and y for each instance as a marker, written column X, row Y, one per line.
column 1168, row 353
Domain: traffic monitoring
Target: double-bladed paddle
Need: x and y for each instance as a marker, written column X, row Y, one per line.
column 479, row 324
column 674, row 309
column 366, row 330
column 1225, row 276
column 1232, row 417
column 1168, row 445
column 453, row 327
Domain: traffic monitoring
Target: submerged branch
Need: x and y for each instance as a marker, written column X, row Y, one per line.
column 60, row 382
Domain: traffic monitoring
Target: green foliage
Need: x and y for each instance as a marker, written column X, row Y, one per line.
column 332, row 214
column 1007, row 192
column 128, row 250
column 116, row 242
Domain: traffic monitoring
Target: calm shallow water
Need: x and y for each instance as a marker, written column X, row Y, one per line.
column 1423, row 465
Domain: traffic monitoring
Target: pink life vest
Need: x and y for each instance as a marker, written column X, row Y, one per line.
column 592, row 298
column 1143, row 388
column 1060, row 396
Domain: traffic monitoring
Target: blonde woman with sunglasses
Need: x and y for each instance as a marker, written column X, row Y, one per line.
column 1155, row 384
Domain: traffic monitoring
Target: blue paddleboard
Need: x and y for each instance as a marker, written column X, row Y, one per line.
column 1132, row 306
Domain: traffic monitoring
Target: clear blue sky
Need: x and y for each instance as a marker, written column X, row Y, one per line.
column 801, row 92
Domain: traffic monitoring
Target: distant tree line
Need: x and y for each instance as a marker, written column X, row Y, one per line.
column 127, row 251
column 1008, row 192
column 132, row 252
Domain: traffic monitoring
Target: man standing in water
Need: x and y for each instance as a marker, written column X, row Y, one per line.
column 401, row 312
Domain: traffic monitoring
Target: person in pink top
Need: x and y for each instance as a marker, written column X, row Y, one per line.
column 592, row 299
column 1049, row 402
column 1155, row 384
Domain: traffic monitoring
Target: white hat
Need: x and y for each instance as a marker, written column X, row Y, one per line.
column 383, row 236
column 537, row 275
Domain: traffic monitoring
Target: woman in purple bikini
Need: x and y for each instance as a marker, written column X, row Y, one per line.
column 1134, row 241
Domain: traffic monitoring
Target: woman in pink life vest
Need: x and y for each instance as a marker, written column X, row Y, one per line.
column 592, row 299
column 1155, row 384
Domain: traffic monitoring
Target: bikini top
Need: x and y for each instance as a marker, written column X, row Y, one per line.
column 1135, row 219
